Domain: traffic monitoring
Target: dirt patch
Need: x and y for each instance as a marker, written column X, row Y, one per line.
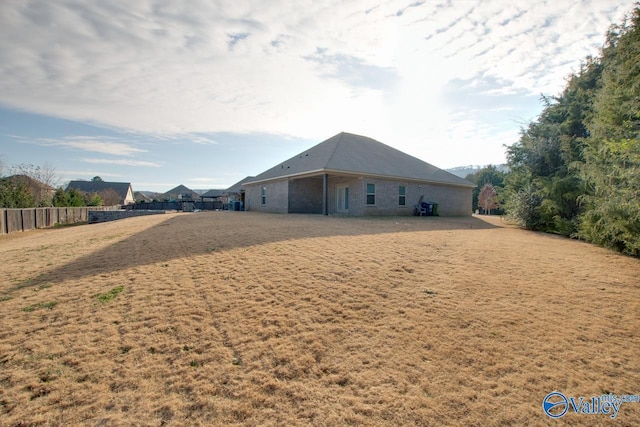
column 242, row 318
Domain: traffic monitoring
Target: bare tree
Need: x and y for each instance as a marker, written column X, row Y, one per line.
column 49, row 176
column 45, row 174
column 110, row 197
column 487, row 198
column 42, row 181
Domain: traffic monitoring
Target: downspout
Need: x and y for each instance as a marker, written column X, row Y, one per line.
column 325, row 195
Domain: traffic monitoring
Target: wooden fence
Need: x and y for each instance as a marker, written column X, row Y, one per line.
column 13, row 220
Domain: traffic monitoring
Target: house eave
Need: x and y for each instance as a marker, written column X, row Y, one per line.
column 320, row 172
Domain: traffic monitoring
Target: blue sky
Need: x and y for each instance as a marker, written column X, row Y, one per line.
column 204, row 93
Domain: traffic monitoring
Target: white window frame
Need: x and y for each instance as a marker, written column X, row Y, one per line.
column 373, row 194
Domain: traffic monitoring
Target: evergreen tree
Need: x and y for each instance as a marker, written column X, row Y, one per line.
column 75, row 198
column 93, row 199
column 576, row 169
column 59, row 198
column 611, row 170
column 545, row 184
column 14, row 193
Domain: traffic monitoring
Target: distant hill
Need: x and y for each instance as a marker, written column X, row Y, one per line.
column 463, row 171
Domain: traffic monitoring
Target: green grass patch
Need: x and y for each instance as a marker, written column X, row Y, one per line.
column 108, row 296
column 4, row 298
column 48, row 305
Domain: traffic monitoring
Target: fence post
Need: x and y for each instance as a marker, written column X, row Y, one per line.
column 3, row 221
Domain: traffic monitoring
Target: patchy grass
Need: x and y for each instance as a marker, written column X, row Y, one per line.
column 46, row 305
column 108, row 296
column 309, row 320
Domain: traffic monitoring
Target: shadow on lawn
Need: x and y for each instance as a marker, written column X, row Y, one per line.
column 204, row 233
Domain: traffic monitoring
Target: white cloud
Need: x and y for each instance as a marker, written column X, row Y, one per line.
column 123, row 162
column 115, row 148
column 307, row 69
column 104, row 145
column 75, row 174
column 196, row 139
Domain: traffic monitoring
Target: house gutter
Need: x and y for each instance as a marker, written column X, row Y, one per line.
column 325, row 172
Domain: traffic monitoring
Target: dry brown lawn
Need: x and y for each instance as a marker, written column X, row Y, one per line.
column 230, row 318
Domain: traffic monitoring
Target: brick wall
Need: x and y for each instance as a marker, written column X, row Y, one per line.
column 305, row 195
column 277, row 199
column 297, row 196
column 453, row 201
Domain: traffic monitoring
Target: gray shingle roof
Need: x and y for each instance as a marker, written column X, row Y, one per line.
column 349, row 153
column 235, row 188
column 212, row 193
column 176, row 191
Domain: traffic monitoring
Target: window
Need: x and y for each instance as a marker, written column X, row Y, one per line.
column 264, row 195
column 371, row 194
column 402, row 195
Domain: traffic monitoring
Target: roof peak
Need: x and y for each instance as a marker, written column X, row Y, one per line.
column 352, row 153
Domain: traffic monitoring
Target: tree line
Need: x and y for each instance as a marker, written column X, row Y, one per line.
column 28, row 186
column 575, row 170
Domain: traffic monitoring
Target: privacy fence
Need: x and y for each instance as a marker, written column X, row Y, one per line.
column 12, row 220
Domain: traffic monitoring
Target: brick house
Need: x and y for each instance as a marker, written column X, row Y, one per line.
column 355, row 175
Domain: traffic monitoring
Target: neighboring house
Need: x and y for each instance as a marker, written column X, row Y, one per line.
column 41, row 192
column 141, row 197
column 180, row 193
column 122, row 189
column 213, row 195
column 218, row 197
column 355, row 175
column 235, row 193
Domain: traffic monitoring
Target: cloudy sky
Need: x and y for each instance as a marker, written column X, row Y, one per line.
column 203, row 93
